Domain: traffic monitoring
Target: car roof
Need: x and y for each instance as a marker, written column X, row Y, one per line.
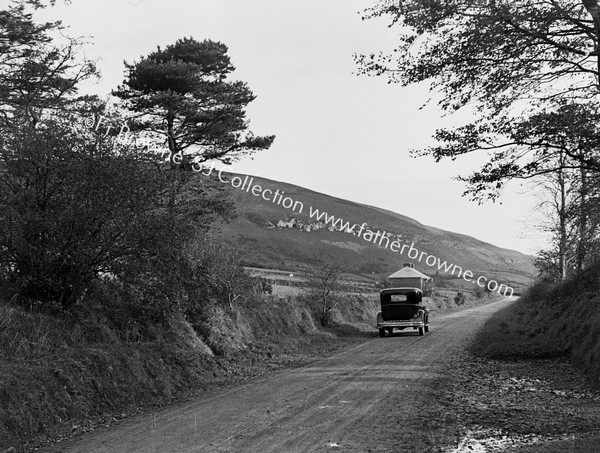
column 387, row 291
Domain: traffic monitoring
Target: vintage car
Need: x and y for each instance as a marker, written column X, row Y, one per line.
column 400, row 309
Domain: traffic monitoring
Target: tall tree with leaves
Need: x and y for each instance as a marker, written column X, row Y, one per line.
column 182, row 93
column 559, row 150
column 530, row 70
column 565, row 137
column 39, row 70
column 492, row 51
column 510, row 60
column 71, row 209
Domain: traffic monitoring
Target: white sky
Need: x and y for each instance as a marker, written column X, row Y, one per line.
column 337, row 133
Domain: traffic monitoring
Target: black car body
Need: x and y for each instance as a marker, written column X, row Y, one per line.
column 402, row 308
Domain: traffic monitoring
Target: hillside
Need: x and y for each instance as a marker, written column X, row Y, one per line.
column 278, row 237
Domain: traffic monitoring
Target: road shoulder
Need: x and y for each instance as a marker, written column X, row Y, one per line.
column 525, row 397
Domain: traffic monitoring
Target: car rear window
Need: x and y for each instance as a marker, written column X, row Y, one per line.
column 411, row 298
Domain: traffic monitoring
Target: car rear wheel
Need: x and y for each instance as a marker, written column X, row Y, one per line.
column 421, row 331
column 382, row 332
column 426, row 328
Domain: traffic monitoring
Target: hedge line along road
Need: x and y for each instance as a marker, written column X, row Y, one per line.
column 366, row 398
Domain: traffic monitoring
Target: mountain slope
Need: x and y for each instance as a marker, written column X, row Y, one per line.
column 299, row 240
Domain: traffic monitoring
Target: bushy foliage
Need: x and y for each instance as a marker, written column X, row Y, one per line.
column 459, row 299
column 39, row 65
column 72, row 212
column 78, row 206
column 215, row 275
column 182, row 93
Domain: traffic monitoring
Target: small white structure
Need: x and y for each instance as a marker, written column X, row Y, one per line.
column 287, row 223
column 409, row 277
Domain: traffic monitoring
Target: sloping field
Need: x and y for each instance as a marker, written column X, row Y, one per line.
column 301, row 238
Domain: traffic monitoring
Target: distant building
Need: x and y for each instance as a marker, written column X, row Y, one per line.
column 287, row 223
column 409, row 277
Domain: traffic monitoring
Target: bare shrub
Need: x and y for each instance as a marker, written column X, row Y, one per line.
column 324, row 282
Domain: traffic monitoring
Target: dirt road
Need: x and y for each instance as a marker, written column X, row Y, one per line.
column 342, row 403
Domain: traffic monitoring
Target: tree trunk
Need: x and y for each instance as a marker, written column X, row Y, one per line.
column 173, row 151
column 583, row 221
column 593, row 8
column 562, row 214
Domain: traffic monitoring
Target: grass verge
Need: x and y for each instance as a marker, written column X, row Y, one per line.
column 550, row 321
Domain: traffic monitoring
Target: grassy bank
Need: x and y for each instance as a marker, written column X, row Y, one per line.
column 61, row 375
column 550, row 321
column 525, row 382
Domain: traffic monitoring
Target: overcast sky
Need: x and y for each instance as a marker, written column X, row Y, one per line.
column 337, row 133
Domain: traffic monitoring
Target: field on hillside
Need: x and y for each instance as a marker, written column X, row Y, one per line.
column 293, row 284
column 291, row 241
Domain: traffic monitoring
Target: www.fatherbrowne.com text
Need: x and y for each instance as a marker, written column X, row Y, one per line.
column 380, row 238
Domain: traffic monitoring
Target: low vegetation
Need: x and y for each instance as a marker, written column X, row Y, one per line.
column 520, row 385
column 549, row 321
column 63, row 375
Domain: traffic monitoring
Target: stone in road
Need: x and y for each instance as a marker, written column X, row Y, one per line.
column 341, row 403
